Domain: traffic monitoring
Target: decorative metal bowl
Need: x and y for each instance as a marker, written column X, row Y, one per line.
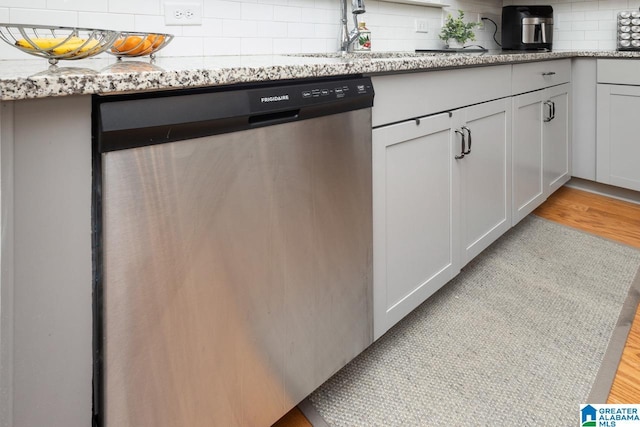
column 56, row 43
column 133, row 44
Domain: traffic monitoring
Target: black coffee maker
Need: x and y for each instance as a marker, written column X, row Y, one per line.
column 527, row 27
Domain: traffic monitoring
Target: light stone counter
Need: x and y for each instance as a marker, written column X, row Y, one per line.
column 32, row 78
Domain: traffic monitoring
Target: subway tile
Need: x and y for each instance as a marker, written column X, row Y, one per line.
column 614, row 4
column 4, row 14
column 141, row 7
column 287, row 14
column 211, row 27
column 184, row 46
column 310, row 3
column 300, row 30
column 607, row 25
column 26, row 4
column 148, row 23
column 563, row 36
column 584, row 44
column 43, row 17
column 320, row 16
column 272, row 29
column 584, row 25
column 561, row 7
column 256, row 12
column 600, row 35
column 221, row 46
column 256, row 46
column 78, row 5
column 318, row 46
column 274, row 2
column 562, row 45
column 222, row 9
column 111, row 21
column 607, row 45
column 238, row 28
column 326, row 30
column 599, row 15
column 287, row 46
column 585, row 5
column 576, row 16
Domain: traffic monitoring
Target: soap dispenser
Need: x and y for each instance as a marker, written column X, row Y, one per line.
column 363, row 44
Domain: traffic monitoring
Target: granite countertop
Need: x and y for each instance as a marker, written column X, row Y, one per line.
column 32, row 78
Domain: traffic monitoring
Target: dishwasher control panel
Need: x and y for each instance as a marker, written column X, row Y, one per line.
column 307, row 94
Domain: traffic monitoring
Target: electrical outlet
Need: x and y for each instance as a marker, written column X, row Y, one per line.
column 421, row 26
column 183, row 13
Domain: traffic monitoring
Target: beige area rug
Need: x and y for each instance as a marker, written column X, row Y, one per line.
column 516, row 339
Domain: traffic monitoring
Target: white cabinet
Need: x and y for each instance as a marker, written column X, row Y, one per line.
column 528, row 189
column 484, row 174
column 557, row 138
column 434, row 208
column 414, row 214
column 583, row 107
column 618, row 147
column 618, row 144
column 46, row 275
column 541, row 146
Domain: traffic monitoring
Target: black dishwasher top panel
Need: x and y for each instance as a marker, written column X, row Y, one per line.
column 134, row 120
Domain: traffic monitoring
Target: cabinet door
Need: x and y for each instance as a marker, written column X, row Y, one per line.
column 618, row 144
column 528, row 189
column 557, row 137
column 414, row 208
column 485, row 175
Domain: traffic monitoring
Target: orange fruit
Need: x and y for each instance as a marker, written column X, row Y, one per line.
column 156, row 40
column 132, row 45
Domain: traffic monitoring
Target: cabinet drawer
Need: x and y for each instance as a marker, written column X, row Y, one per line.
column 619, row 71
column 539, row 75
column 404, row 96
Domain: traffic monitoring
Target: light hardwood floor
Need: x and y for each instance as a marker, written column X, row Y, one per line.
column 616, row 220
column 606, row 217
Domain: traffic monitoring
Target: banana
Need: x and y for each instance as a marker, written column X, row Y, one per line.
column 76, row 47
column 47, row 43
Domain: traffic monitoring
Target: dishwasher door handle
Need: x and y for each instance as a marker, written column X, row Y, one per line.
column 274, row 118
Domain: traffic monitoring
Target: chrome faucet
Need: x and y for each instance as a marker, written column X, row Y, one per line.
column 348, row 37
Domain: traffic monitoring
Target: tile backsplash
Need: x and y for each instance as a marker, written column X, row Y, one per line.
column 233, row 27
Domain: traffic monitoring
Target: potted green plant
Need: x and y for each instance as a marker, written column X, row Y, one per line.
column 455, row 32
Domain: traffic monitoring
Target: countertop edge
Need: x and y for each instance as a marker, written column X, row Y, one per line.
column 88, row 81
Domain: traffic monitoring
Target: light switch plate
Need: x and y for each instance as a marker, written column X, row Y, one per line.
column 183, row 13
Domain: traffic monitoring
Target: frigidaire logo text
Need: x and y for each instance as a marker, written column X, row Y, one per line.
column 274, row 98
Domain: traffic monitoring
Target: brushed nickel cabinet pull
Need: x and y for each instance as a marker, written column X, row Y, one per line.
column 462, row 152
column 468, row 150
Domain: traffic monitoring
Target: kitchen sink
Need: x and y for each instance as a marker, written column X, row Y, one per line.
column 390, row 55
column 372, row 55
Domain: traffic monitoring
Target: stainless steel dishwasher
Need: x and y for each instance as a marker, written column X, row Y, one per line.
column 232, row 249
